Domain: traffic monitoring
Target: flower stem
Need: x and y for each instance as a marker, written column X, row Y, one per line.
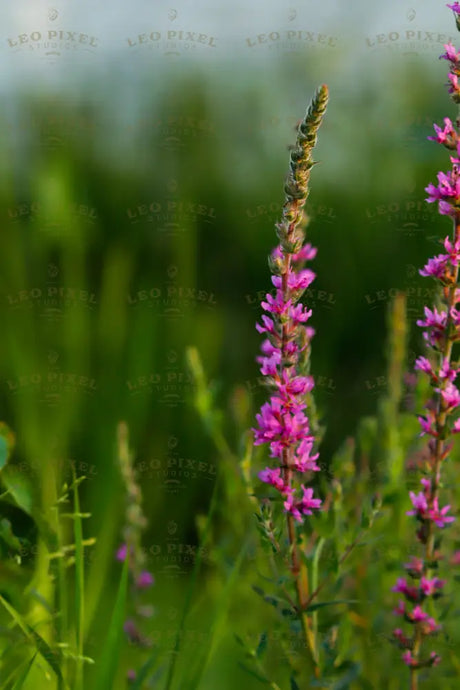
column 300, row 574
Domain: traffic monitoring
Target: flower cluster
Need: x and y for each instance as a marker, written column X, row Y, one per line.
column 441, row 420
column 282, row 421
column 455, row 7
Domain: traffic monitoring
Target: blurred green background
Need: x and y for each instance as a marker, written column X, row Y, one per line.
column 136, row 220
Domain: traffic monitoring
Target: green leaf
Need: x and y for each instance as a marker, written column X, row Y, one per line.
column 294, row 685
column 33, row 637
column 194, row 578
column 289, row 613
column 324, row 524
column 445, row 611
column 344, row 682
column 313, row 607
column 219, row 623
column 24, row 495
column 144, row 671
column 255, row 674
column 111, row 650
column 240, row 640
column 20, row 488
column 281, row 605
column 6, row 533
column 262, row 645
column 46, row 652
column 23, row 676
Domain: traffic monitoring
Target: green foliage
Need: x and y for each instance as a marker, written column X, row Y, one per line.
column 62, row 583
column 22, row 677
column 34, row 639
column 110, row 652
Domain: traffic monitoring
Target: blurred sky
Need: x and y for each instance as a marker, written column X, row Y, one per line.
column 61, row 42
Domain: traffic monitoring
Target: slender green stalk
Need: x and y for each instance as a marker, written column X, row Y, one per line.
column 79, row 586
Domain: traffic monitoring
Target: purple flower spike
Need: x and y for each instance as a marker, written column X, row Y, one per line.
column 282, row 421
column 441, row 324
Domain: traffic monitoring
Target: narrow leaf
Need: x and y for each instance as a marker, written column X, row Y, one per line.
column 294, row 685
column 33, row 637
column 262, row 645
column 254, row 673
column 46, row 652
column 23, row 676
column 313, row 607
column 20, row 488
column 111, row 650
column 218, row 626
column 6, row 533
column 144, row 671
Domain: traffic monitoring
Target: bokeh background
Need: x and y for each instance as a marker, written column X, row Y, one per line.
column 143, row 153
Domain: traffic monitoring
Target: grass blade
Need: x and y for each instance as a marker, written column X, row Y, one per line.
column 322, row 604
column 111, row 651
column 314, row 585
column 219, row 620
column 193, row 580
column 144, row 671
column 34, row 638
column 23, row 676
column 47, row 653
